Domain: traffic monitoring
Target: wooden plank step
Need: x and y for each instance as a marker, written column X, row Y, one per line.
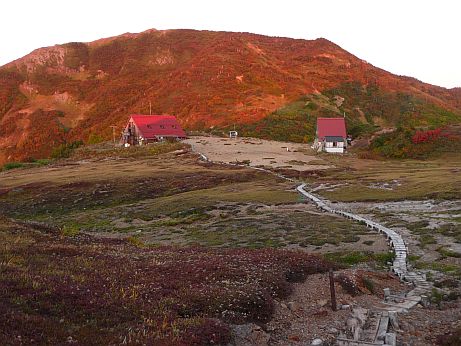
column 352, row 342
column 382, row 329
column 370, row 333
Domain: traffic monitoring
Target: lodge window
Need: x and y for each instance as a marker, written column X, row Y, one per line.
column 162, row 126
column 149, row 126
column 335, row 144
column 173, row 126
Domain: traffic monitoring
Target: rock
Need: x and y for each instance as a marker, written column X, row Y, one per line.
column 283, row 305
column 360, row 314
column 387, row 292
column 292, row 306
column 249, row 334
column 345, row 307
column 71, row 340
column 317, row 342
column 352, row 323
column 294, row 338
column 322, row 302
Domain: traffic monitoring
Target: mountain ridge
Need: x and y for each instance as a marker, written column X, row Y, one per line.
column 207, row 79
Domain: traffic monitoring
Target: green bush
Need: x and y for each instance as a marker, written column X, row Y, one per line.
column 384, row 258
column 348, row 259
column 356, row 257
column 359, row 129
column 369, row 284
column 95, row 139
column 12, row 165
column 293, row 123
column 42, row 162
column 65, row 150
column 70, row 230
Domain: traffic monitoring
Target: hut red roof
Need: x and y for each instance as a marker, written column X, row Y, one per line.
column 151, row 126
column 331, row 127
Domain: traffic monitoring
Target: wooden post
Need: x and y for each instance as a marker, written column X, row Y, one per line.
column 113, row 133
column 332, row 291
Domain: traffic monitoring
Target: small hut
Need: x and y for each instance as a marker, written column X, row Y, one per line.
column 331, row 135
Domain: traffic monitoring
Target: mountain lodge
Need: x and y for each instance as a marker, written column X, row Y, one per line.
column 143, row 129
column 331, row 135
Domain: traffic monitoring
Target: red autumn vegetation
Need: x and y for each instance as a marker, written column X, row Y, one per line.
column 207, row 79
column 426, row 136
column 77, row 288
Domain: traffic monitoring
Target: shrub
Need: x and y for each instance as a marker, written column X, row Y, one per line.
column 135, row 241
column 77, row 54
column 70, row 231
column 108, row 292
column 292, row 122
column 349, row 259
column 369, row 284
column 411, row 143
column 384, row 258
column 426, row 136
column 12, row 165
column 448, row 253
column 42, row 162
column 65, row 150
column 348, row 284
column 95, row 139
column 356, row 257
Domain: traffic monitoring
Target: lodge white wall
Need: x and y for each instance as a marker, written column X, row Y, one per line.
column 334, row 150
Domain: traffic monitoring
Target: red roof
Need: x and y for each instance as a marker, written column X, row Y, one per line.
column 152, row 126
column 331, row 127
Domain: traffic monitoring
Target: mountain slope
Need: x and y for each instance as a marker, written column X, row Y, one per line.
column 207, row 79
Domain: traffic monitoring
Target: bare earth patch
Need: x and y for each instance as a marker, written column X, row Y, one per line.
column 259, row 152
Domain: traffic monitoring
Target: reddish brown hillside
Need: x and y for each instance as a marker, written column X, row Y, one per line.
column 205, row 78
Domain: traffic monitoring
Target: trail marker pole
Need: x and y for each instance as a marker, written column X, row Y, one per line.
column 332, row 290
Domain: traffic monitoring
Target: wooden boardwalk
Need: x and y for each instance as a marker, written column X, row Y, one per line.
column 377, row 319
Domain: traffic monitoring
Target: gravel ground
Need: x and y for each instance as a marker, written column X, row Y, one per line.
column 423, row 326
column 307, row 314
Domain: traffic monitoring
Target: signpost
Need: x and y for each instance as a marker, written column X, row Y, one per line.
column 332, row 291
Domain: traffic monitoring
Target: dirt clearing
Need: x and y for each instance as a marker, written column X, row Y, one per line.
column 259, row 153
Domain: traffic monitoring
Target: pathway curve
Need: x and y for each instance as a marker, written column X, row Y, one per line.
column 372, row 328
column 383, row 316
column 399, row 266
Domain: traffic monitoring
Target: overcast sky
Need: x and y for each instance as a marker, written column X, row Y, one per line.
column 421, row 38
